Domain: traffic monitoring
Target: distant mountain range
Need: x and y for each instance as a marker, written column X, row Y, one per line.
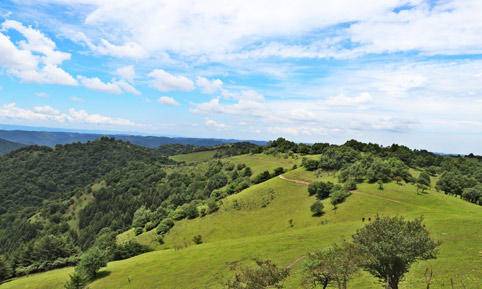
column 8, row 146
column 52, row 138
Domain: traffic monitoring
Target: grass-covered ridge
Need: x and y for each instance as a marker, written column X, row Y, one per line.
column 217, row 208
column 255, row 230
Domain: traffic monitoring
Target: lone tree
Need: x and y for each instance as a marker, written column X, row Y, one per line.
column 389, row 245
column 317, row 208
column 265, row 275
column 423, row 181
column 336, row 264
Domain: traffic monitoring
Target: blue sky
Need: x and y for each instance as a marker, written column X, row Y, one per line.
column 389, row 71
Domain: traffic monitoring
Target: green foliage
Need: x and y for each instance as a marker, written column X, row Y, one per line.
column 141, row 217
column 265, row 275
column 5, row 270
column 278, row 171
column 320, row 189
column 338, row 196
column 336, row 264
column 473, row 194
column 389, row 246
column 198, row 239
column 317, row 208
column 90, row 263
column 76, row 281
column 164, row 226
column 454, row 183
column 264, row 176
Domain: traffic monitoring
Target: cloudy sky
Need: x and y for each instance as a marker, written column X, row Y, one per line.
column 404, row 71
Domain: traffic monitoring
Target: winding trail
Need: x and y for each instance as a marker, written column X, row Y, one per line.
column 300, row 182
column 294, row 181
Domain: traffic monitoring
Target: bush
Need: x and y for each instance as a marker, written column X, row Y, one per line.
column 138, row 231
column 338, row 196
column 141, row 217
column 76, row 281
column 128, row 250
column 264, row 176
column 212, row 206
column 350, row 185
column 321, row 189
column 5, row 271
column 317, row 208
column 278, row 171
column 191, row 211
column 164, row 226
column 197, row 239
column 309, row 165
column 90, row 263
column 149, row 226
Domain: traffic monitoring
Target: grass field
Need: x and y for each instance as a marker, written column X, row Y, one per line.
column 259, row 227
column 261, row 162
column 194, row 157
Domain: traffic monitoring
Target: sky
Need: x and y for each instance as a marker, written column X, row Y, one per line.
column 384, row 71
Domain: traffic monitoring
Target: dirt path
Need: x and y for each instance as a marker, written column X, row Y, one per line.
column 356, row 192
column 294, row 181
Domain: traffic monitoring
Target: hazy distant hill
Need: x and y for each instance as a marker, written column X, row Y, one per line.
column 8, row 146
column 50, row 138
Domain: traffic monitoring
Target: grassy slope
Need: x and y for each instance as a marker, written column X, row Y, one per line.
column 194, row 157
column 233, row 235
column 261, row 162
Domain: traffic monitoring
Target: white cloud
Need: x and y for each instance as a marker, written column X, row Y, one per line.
column 165, row 81
column 34, row 58
column 48, row 114
column 127, row 72
column 355, row 101
column 167, row 100
column 209, row 86
column 115, row 87
column 215, row 124
column 246, row 29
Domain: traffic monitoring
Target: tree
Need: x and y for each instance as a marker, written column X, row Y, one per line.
column 338, row 196
column 473, row 195
column 198, row 239
column 264, row 176
column 389, row 246
column 423, row 181
column 317, row 208
column 90, row 263
column 141, row 217
column 191, row 211
column 322, row 190
column 278, row 171
column 265, row 275
column 5, row 271
column 336, row 264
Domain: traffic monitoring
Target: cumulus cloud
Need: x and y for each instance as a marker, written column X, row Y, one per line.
column 34, row 58
column 167, row 100
column 114, row 87
column 215, row 124
column 48, row 114
column 165, row 81
column 209, row 86
column 251, row 29
column 127, row 72
column 342, row 100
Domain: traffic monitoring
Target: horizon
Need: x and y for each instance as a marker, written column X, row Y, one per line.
column 6, row 127
column 399, row 71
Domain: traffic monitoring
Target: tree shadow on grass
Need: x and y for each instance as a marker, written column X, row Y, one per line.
column 101, row 274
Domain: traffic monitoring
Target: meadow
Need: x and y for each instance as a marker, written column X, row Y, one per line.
column 272, row 220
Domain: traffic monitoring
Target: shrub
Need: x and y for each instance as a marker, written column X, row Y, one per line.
column 197, row 239
column 138, row 231
column 128, row 250
column 321, row 189
column 191, row 211
column 90, row 263
column 338, row 196
column 317, row 208
column 278, row 171
column 212, row 206
column 164, row 226
column 264, row 176
column 149, row 226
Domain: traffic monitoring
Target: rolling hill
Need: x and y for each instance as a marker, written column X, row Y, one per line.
column 272, row 220
column 8, row 146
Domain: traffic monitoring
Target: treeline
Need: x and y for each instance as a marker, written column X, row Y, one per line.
column 357, row 162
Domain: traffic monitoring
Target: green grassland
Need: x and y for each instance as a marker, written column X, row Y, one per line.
column 261, row 162
column 256, row 224
column 195, row 157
